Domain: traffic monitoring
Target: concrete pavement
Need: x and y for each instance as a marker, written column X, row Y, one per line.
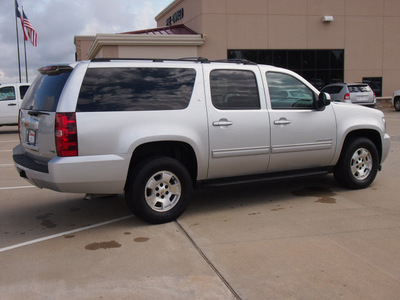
column 299, row 239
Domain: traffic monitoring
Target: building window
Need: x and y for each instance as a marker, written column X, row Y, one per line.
column 375, row 83
column 320, row 67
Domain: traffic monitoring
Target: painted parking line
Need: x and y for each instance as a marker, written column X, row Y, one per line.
column 46, row 238
column 16, row 187
column 6, row 165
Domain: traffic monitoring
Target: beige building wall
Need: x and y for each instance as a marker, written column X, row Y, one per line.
column 82, row 45
column 137, row 46
column 366, row 29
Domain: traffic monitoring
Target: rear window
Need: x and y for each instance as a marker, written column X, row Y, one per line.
column 45, row 91
column 332, row 89
column 359, row 88
column 133, row 89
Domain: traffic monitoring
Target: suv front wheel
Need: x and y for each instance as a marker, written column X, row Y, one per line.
column 358, row 164
column 158, row 190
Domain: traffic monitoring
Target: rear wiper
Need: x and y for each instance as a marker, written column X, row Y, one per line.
column 37, row 113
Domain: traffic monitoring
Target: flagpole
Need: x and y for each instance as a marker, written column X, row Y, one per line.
column 16, row 29
column 26, row 61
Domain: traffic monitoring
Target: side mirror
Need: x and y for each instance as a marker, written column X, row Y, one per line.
column 324, row 100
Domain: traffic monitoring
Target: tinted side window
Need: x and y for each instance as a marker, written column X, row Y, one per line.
column 133, row 89
column 287, row 92
column 22, row 90
column 44, row 93
column 234, row 89
column 7, row 93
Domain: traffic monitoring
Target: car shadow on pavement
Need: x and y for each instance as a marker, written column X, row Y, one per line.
column 262, row 193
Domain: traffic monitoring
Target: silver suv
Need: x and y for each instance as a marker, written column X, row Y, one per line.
column 156, row 129
column 356, row 93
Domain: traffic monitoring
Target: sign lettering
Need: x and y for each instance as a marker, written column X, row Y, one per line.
column 175, row 17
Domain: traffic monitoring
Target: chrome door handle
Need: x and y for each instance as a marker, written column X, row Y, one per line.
column 282, row 121
column 222, row 123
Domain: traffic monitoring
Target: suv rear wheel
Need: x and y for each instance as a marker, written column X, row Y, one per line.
column 358, row 164
column 158, row 190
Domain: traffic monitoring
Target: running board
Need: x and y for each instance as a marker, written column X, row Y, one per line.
column 263, row 177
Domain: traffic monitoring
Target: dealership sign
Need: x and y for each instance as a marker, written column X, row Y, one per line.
column 175, row 17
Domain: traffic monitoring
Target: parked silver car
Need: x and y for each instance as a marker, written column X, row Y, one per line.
column 356, row 93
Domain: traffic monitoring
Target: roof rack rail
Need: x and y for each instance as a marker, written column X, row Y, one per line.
column 194, row 59
column 199, row 59
column 236, row 60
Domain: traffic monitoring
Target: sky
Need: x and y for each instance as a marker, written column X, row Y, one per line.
column 58, row 21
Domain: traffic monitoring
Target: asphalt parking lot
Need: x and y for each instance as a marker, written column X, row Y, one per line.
column 302, row 239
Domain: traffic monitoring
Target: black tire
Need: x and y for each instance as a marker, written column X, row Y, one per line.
column 397, row 103
column 158, row 190
column 358, row 164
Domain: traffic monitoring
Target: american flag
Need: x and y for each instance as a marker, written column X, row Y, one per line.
column 31, row 31
column 26, row 24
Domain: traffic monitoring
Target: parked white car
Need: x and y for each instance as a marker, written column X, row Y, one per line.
column 11, row 96
column 396, row 100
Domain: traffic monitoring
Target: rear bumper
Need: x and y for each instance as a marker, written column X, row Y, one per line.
column 100, row 174
column 371, row 104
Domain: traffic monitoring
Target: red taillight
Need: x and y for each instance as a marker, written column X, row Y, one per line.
column 66, row 134
column 347, row 96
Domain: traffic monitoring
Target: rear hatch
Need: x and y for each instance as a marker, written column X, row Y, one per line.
column 361, row 93
column 38, row 114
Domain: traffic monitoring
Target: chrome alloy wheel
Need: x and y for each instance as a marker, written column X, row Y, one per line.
column 361, row 163
column 163, row 191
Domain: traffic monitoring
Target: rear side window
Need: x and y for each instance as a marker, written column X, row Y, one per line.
column 133, row 89
column 234, row 89
column 332, row 89
column 7, row 93
column 44, row 93
column 22, row 90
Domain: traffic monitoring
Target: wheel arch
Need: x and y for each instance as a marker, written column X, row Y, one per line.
column 180, row 151
column 370, row 134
